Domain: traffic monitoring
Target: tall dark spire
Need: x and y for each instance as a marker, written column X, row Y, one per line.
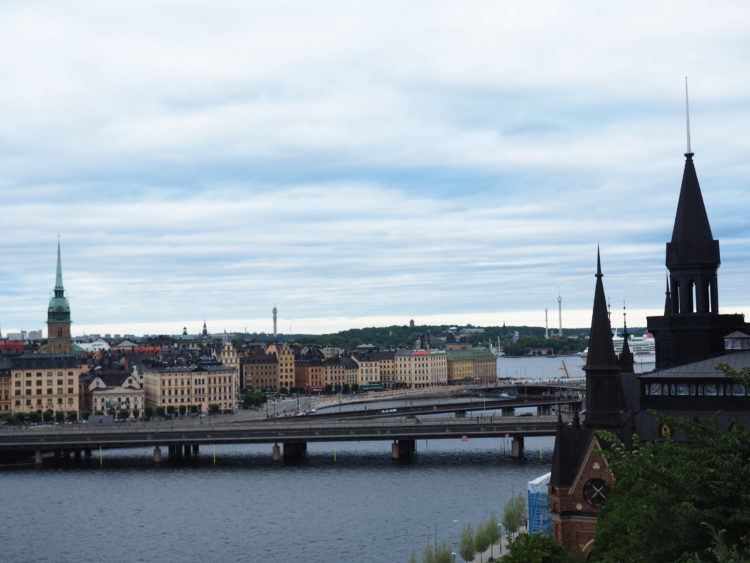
column 603, row 391
column 626, row 356
column 601, row 350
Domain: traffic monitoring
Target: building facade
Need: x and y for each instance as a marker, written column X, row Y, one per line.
column 58, row 316
column 41, row 382
column 475, row 365
column 420, row 368
column 284, row 365
column 260, row 371
column 113, row 391
column 197, row 385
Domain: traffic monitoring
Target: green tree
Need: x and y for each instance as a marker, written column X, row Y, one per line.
column 136, row 413
column 85, row 415
column 124, row 414
column 514, row 514
column 148, row 412
column 160, row 411
column 35, row 417
column 11, row 420
column 671, row 499
column 493, row 531
column 537, row 548
column 466, row 548
column 213, row 408
column 428, row 555
column 413, row 558
column 60, row 416
column 481, row 540
column 99, row 413
column 183, row 409
column 443, row 554
column 72, row 416
column 48, row 415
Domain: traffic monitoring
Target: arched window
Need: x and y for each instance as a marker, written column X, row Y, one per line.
column 693, row 296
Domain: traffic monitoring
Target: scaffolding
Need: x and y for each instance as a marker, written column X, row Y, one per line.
column 538, row 497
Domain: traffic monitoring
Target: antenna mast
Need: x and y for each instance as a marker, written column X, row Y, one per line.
column 687, row 116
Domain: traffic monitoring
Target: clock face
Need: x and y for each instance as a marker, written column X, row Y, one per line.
column 596, row 491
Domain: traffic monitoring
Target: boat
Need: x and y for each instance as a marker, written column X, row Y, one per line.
column 642, row 347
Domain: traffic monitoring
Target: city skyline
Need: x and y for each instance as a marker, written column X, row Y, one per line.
column 362, row 171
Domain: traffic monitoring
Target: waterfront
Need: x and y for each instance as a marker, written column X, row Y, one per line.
column 359, row 507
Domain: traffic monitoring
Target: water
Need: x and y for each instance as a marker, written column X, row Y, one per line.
column 539, row 367
column 362, row 507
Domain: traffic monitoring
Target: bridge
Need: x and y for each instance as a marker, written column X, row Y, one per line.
column 186, row 439
column 459, row 407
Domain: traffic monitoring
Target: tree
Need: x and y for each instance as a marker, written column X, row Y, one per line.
column 182, row 409
column 99, row 413
column 443, row 554
column 136, row 413
column 413, row 558
column 428, row 555
column 48, row 415
column 537, row 548
column 514, row 514
column 60, row 416
column 72, row 416
column 481, row 540
column 193, row 409
column 160, row 411
column 493, row 531
column 35, row 417
column 213, row 408
column 124, row 414
column 676, row 500
column 355, row 387
column 345, row 389
column 148, row 412
column 466, row 548
column 85, row 415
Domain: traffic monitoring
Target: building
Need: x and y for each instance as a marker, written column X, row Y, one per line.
column 692, row 340
column 260, row 371
column 113, row 391
column 368, row 368
column 284, row 365
column 420, row 368
column 228, row 356
column 196, row 387
column 475, row 365
column 334, row 372
column 309, row 373
column 41, row 382
column 58, row 316
column 5, row 386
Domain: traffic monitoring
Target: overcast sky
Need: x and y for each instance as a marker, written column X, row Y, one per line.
column 361, row 163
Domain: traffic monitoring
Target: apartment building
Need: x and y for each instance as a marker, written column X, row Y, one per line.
column 420, row 368
column 476, row 365
column 41, row 382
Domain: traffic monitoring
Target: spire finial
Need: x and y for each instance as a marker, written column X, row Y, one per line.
column 687, row 118
column 598, row 263
column 624, row 320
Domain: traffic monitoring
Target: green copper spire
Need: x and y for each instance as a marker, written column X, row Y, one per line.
column 58, row 278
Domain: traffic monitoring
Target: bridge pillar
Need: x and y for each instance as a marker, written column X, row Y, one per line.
column 542, row 410
column 195, row 449
column 276, row 452
column 516, row 449
column 87, row 452
column 157, row 454
column 403, row 450
column 294, row 452
column 38, row 457
column 172, row 452
column 78, row 455
column 507, row 412
column 188, row 451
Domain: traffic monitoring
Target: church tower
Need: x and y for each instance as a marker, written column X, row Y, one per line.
column 58, row 315
column 691, row 328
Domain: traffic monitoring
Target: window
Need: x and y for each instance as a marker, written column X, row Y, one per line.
column 710, row 390
column 738, row 390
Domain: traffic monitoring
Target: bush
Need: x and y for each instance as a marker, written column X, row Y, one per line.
column 160, row 411
column 60, row 416
column 99, row 413
column 124, row 414
column 136, row 413
column 34, row 417
column 85, row 415
column 537, row 548
column 48, row 415
column 12, row 420
column 72, row 416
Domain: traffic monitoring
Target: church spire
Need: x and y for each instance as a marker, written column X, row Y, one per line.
column 601, row 350
column 58, row 278
column 626, row 356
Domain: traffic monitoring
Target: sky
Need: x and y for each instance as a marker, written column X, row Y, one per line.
column 361, row 163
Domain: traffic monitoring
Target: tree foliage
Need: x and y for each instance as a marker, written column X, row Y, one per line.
column 671, row 499
column 466, row 548
column 537, row 548
column 514, row 514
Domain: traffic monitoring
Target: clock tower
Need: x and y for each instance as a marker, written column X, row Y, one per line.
column 58, row 316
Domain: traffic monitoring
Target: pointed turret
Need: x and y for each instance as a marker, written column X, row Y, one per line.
column 626, row 356
column 603, row 391
column 58, row 314
column 601, row 350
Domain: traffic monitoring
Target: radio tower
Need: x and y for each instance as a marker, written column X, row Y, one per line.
column 559, row 312
column 275, row 315
column 546, row 325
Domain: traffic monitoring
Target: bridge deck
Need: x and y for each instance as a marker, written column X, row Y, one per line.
column 128, row 436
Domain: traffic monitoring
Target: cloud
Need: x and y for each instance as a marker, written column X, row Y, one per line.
column 352, row 160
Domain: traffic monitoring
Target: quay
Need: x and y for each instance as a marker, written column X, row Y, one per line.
column 294, row 435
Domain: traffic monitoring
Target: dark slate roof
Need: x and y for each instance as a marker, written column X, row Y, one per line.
column 45, row 361
column 261, row 359
column 692, row 240
column 571, row 443
column 705, row 368
column 601, row 354
column 110, row 377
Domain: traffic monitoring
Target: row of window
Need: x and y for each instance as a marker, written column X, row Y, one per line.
column 39, row 402
column 39, row 391
column 695, row 390
column 49, row 382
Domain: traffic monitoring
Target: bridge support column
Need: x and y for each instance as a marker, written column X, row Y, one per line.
column 507, row 412
column 542, row 410
column 403, row 450
column 516, row 449
column 276, row 452
column 294, row 452
column 195, row 449
column 157, row 454
column 87, row 452
column 187, row 449
column 38, row 457
column 172, row 452
column 78, row 455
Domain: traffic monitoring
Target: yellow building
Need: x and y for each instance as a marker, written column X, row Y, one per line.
column 420, row 368
column 41, row 382
column 284, row 364
column 5, row 396
column 199, row 386
column 368, row 368
column 476, row 365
